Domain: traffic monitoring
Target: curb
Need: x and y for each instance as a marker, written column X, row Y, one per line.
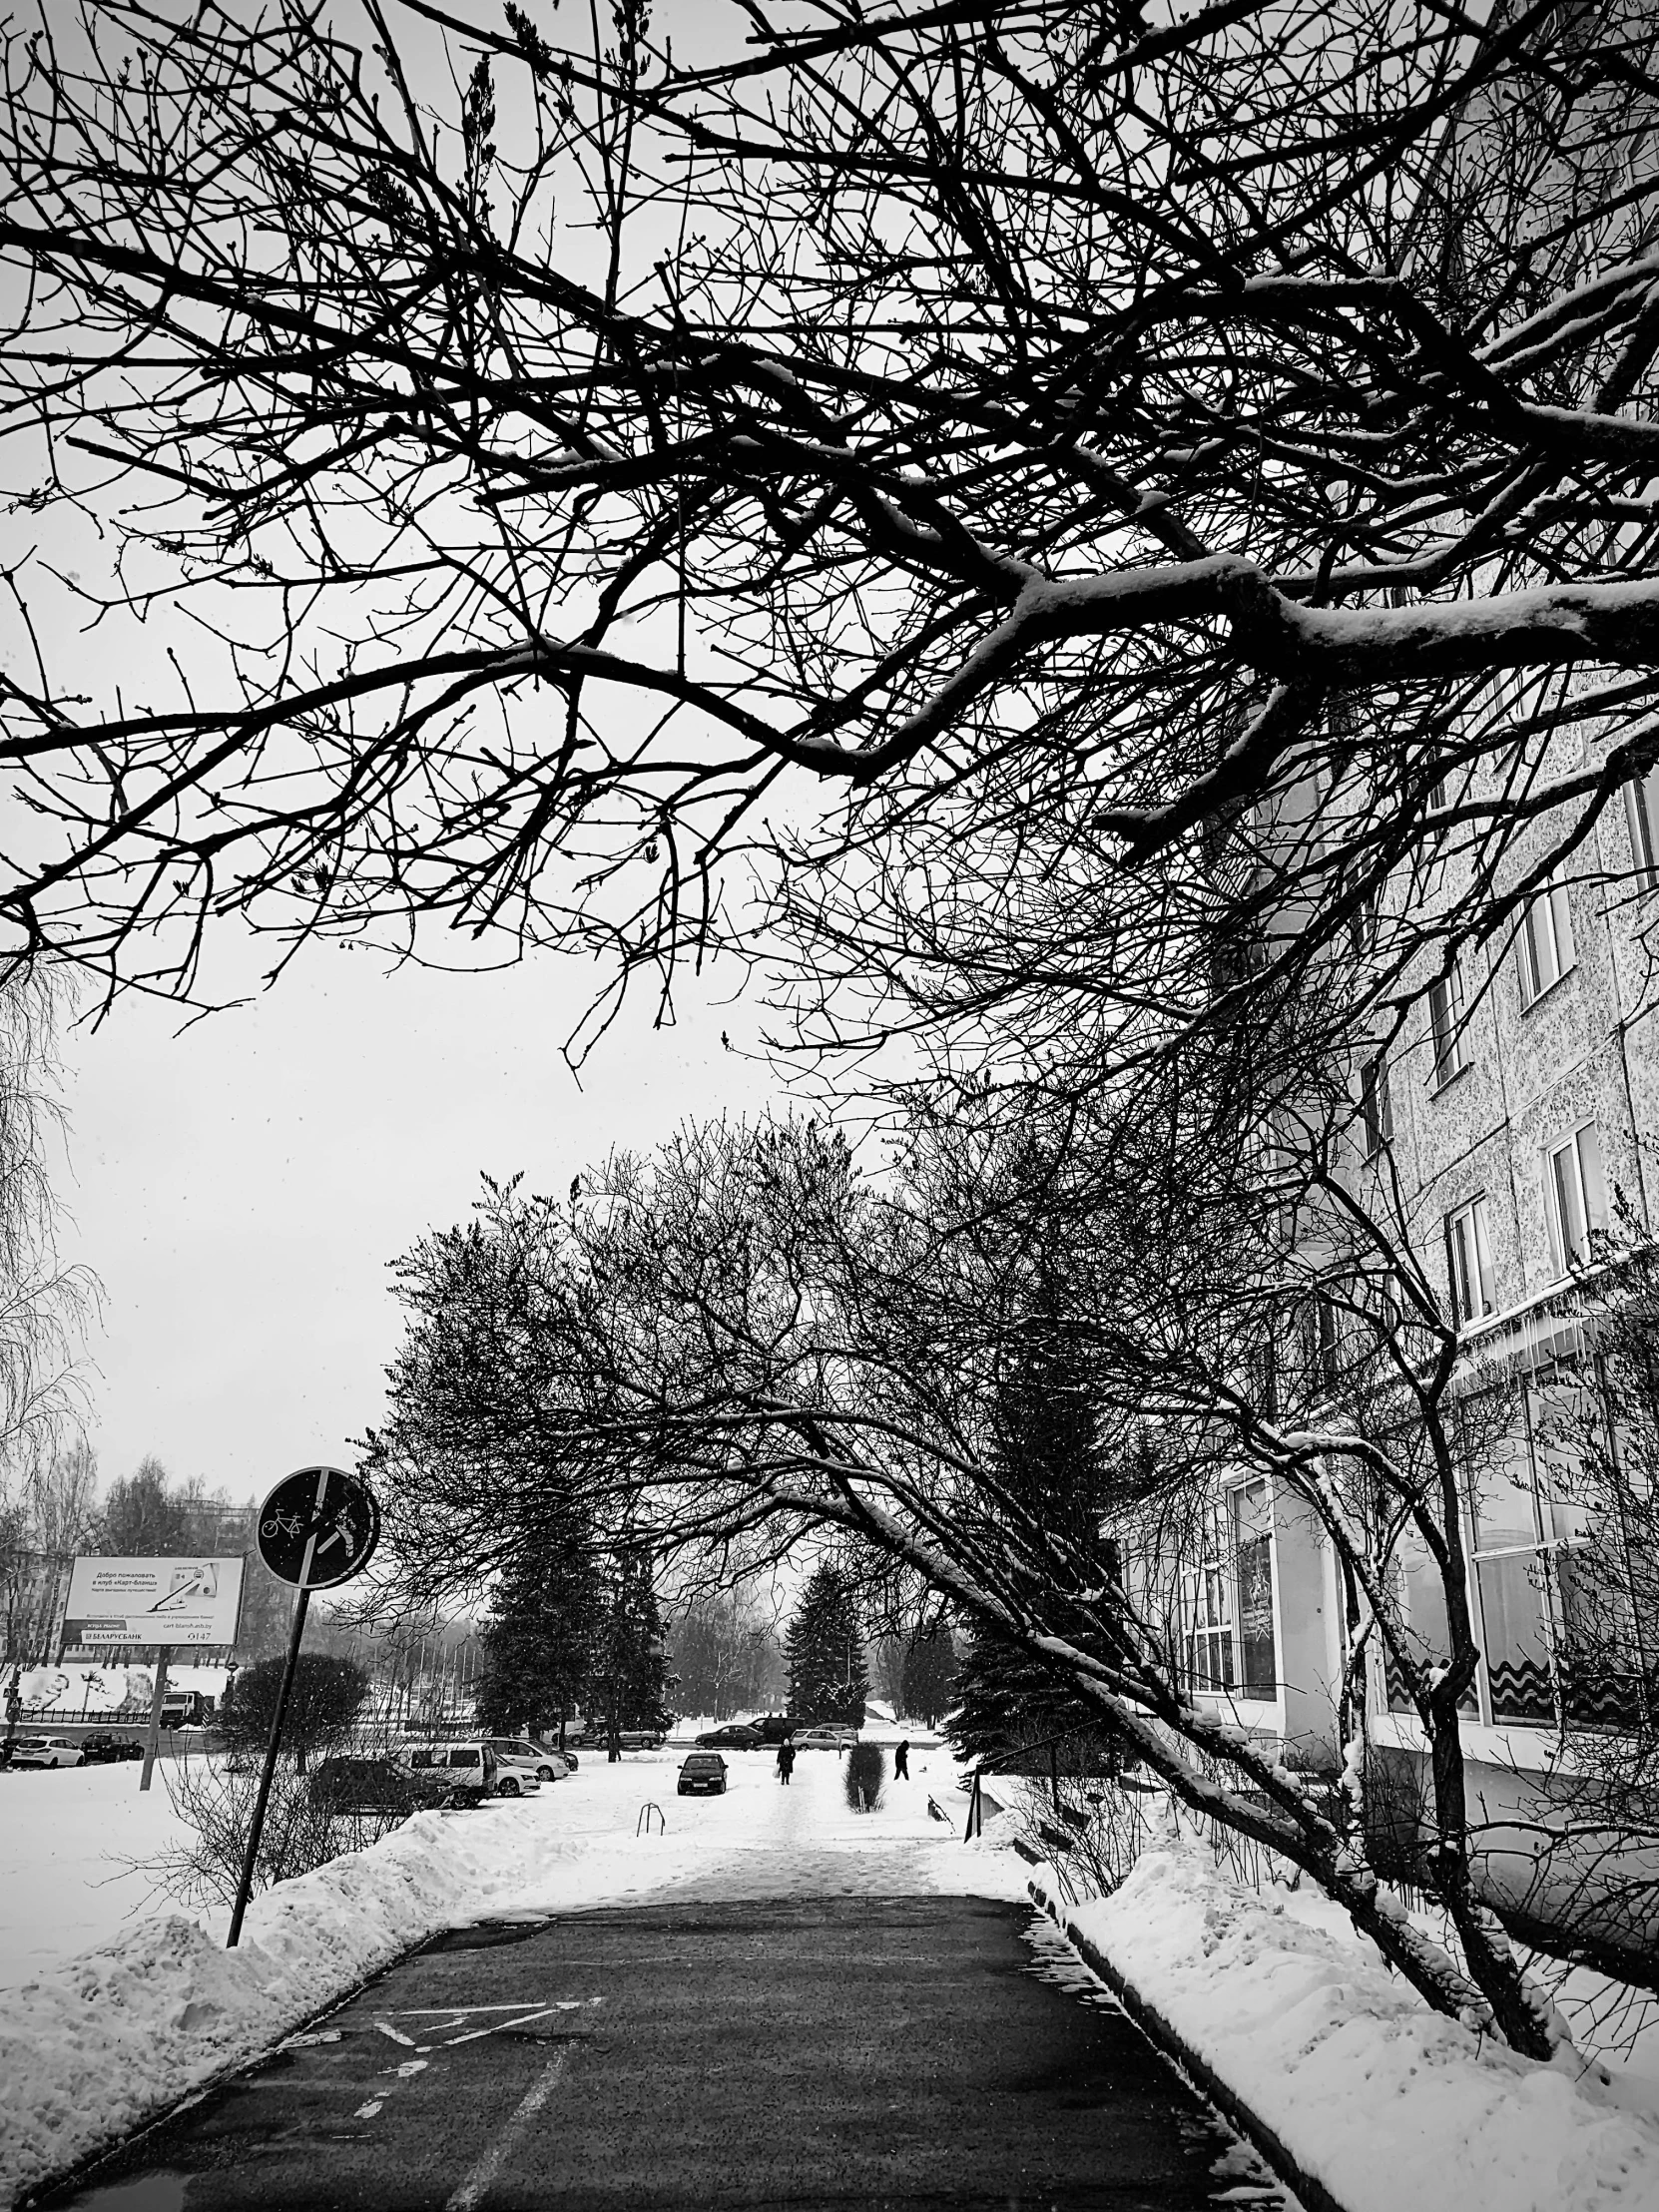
column 1262, row 2139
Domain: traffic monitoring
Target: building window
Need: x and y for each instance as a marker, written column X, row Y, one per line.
column 1575, row 1198
column 1377, row 1113
column 1641, row 807
column 1469, row 1260
column 1545, row 945
column 1252, row 1517
column 1210, row 1618
column 1230, row 1610
column 1445, row 1023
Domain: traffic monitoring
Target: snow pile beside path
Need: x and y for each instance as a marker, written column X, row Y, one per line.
column 1375, row 2097
column 99, row 2043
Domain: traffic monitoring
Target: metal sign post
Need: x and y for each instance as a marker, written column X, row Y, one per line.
column 152, row 1742
column 316, row 1528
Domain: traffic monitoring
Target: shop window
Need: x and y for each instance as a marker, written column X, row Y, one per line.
column 1228, row 1598
column 1210, row 1622
column 1251, row 1512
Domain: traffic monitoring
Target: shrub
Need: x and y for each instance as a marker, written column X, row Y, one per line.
column 867, row 1770
column 304, row 1828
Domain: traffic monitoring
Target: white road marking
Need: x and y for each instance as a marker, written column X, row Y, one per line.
column 459, row 2011
column 523, row 2019
column 478, row 2177
column 409, row 2067
column 368, row 2110
column 396, row 2034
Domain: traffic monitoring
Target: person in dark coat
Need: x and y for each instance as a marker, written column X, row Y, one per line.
column 786, row 1761
column 902, row 1761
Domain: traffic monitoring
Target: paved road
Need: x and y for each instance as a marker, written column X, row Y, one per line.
column 808, row 2053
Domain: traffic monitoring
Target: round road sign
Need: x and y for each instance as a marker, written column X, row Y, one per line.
column 319, row 1527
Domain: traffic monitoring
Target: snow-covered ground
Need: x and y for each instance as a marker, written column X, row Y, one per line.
column 1379, row 2099
column 113, row 2003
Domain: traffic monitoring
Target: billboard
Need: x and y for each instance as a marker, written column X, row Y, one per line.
column 153, row 1601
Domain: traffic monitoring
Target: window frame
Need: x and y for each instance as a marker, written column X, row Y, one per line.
column 1376, row 1110
column 1545, row 948
column 1588, row 1192
column 1641, row 817
column 1469, row 1239
column 1211, row 1599
column 1448, row 1027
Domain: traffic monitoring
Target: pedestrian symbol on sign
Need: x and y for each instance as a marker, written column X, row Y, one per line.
column 319, row 1527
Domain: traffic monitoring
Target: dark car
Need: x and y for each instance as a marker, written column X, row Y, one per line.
column 379, row 1785
column 595, row 1736
column 702, row 1774
column 736, row 1735
column 772, row 1728
column 102, row 1745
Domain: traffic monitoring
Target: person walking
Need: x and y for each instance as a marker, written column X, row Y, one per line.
column 902, row 1761
column 786, row 1762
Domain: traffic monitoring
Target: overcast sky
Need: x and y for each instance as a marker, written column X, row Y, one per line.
column 241, row 1187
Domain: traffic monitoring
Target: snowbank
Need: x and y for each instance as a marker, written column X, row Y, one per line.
column 99, row 2043
column 1378, row 2101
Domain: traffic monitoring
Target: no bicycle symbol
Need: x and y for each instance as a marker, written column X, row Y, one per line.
column 319, row 1527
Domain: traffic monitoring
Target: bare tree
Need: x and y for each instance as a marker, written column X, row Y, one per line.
column 51, row 1516
column 559, row 468
column 742, row 1344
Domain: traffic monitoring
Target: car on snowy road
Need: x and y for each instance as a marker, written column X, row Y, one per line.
column 736, row 1737
column 103, row 1747
column 772, row 1728
column 46, row 1751
column 702, row 1774
column 826, row 1737
column 595, row 1736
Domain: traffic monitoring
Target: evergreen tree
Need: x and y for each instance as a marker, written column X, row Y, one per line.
column 930, row 1676
column 539, row 1643
column 628, row 1670
column 824, row 1652
column 1045, row 1444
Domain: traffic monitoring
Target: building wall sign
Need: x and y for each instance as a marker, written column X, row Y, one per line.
column 153, row 1601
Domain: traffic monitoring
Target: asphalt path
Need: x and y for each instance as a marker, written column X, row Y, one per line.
column 808, row 2053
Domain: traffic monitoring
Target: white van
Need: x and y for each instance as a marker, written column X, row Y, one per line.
column 473, row 1767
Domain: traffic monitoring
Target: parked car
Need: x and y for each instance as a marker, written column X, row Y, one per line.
column 826, row 1736
column 102, row 1747
column 46, row 1751
column 595, row 1736
column 520, row 1753
column 522, row 1762
column 469, row 1769
column 347, row 1785
column 735, row 1736
column 561, row 1751
column 702, row 1774
column 772, row 1728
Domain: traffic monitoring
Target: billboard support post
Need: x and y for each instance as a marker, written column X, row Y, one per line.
column 152, row 1742
column 255, row 1826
